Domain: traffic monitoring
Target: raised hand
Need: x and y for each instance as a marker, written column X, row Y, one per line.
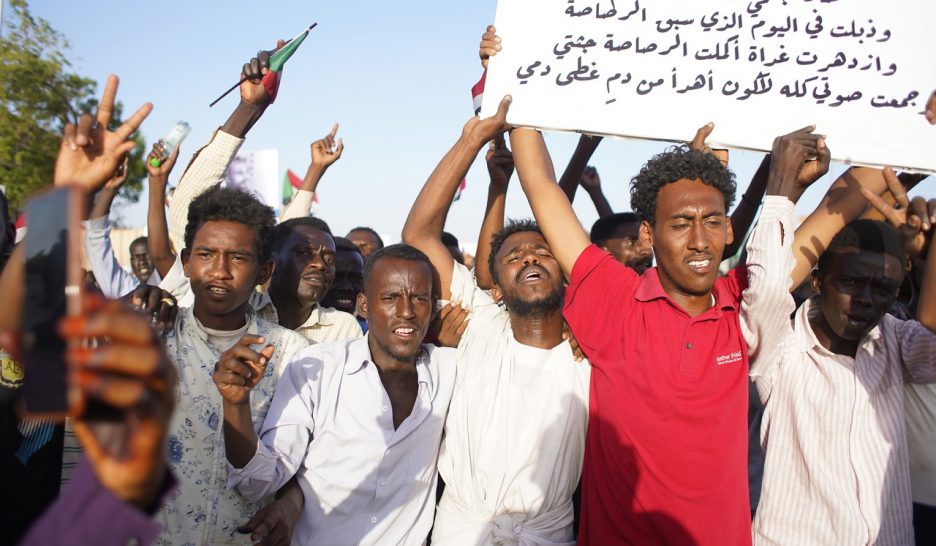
column 132, row 374
column 698, row 143
column 160, row 174
column 240, row 369
column 327, row 150
column 91, row 153
column 262, row 84
column 500, row 162
column 490, row 45
column 590, row 181
column 119, row 178
column 481, row 131
column 796, row 161
column 913, row 219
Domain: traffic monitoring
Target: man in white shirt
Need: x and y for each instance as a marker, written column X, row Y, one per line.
column 227, row 252
column 836, row 465
column 515, row 433
column 357, row 422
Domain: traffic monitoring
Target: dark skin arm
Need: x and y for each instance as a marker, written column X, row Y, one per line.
column 157, row 240
column 591, row 183
column 565, row 235
column 239, row 370
column 908, row 181
column 500, row 167
column 273, row 525
column 254, row 97
column 790, row 172
column 914, row 221
column 842, row 203
column 325, row 152
column 423, row 227
column 105, row 197
column 572, row 176
column 743, row 216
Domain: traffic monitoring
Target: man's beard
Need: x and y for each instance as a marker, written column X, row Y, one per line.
column 538, row 307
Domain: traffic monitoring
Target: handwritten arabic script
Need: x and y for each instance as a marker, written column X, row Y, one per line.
column 705, row 38
column 827, row 55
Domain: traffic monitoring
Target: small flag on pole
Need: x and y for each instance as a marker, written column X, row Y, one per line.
column 291, row 184
column 461, row 188
column 477, row 93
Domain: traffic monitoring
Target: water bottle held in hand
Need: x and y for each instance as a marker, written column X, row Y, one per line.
column 172, row 140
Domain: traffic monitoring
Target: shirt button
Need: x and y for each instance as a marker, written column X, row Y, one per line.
column 689, row 345
column 373, row 520
column 385, row 408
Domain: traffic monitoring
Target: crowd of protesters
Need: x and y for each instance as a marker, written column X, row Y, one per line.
column 277, row 383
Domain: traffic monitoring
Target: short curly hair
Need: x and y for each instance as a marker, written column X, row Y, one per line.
column 218, row 204
column 400, row 251
column 678, row 163
column 868, row 235
column 497, row 240
column 284, row 229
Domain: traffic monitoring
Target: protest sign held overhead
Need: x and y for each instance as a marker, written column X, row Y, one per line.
column 854, row 68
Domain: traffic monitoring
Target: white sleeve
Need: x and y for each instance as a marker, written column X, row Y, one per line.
column 299, row 206
column 285, row 435
column 113, row 279
column 766, row 304
column 206, row 169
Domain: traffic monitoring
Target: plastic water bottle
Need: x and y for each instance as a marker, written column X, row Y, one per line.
column 172, row 140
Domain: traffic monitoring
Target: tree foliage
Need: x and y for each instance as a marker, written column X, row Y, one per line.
column 40, row 94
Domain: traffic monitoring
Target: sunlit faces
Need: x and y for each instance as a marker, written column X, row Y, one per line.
column 689, row 237
column 223, row 267
column 856, row 287
column 140, row 262
column 367, row 242
column 349, row 281
column 305, row 265
column 626, row 247
column 528, row 275
column 398, row 305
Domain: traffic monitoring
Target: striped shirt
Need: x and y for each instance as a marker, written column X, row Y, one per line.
column 836, row 469
column 331, row 425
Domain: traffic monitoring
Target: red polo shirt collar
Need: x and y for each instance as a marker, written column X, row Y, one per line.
column 650, row 289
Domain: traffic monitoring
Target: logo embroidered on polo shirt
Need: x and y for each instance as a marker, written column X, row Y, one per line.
column 730, row 358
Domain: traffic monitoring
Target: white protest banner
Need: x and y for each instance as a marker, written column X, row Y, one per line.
column 860, row 70
column 257, row 173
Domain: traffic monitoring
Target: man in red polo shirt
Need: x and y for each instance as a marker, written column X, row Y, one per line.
column 666, row 452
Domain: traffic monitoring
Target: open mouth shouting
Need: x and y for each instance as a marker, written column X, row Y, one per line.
column 531, row 274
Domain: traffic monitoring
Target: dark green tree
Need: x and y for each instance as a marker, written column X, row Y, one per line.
column 40, row 94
